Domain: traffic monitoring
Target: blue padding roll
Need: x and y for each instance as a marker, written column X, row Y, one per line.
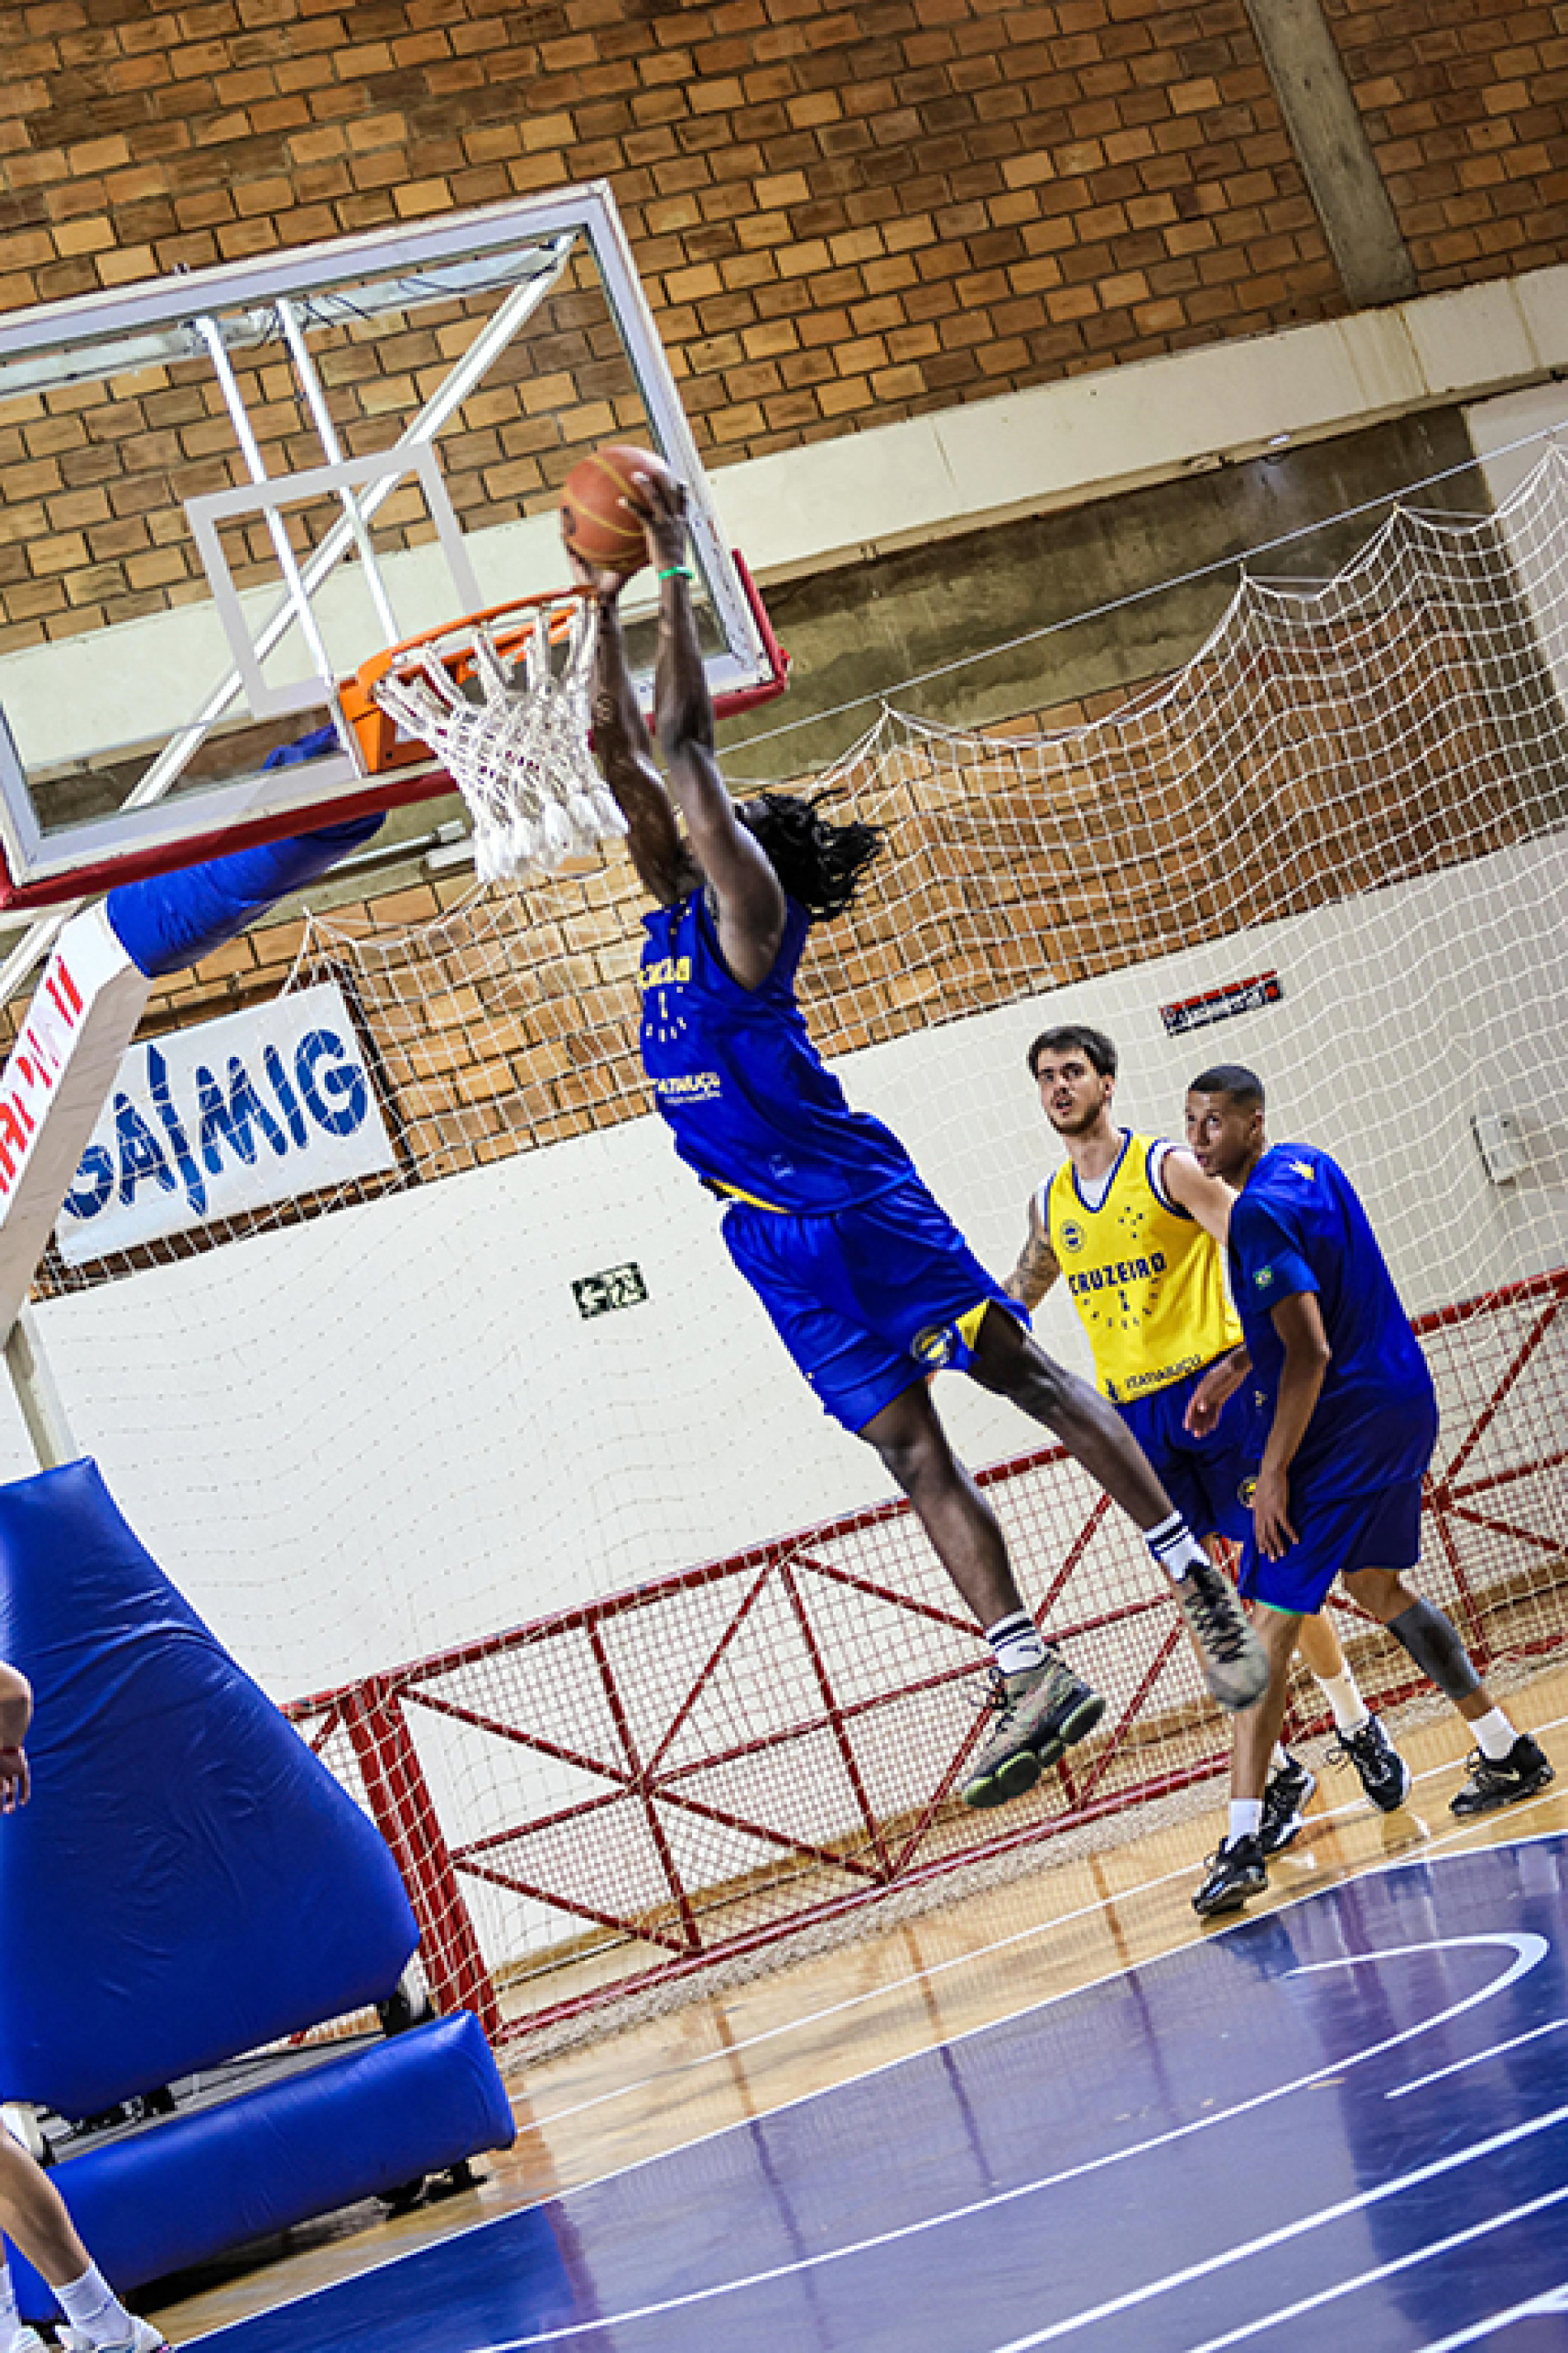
column 189, row 1881
column 319, row 745
column 174, row 920
column 185, row 2188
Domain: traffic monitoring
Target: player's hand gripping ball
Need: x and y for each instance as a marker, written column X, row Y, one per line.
column 596, row 527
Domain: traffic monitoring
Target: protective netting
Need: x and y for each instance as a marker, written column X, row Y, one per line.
column 1332, row 845
column 608, row 1801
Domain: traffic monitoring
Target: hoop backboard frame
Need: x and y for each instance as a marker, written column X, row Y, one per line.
column 567, row 248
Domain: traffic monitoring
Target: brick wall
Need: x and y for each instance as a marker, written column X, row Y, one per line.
column 1079, row 179
column 93, row 476
column 843, row 214
column 1464, row 101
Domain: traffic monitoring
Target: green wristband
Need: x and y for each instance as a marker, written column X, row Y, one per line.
column 676, row 572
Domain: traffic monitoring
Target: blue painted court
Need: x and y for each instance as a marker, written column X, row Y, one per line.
column 1342, row 2123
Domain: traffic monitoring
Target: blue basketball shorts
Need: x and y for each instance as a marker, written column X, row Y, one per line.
column 1335, row 1536
column 868, row 1299
column 1208, row 1479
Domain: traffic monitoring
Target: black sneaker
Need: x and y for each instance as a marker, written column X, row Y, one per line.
column 1040, row 1714
column 1382, row 1770
column 1503, row 1781
column 1236, row 1871
column 1287, row 1792
column 1235, row 1664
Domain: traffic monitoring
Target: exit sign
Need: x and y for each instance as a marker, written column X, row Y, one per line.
column 617, row 1286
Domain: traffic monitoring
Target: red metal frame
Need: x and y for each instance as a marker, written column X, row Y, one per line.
column 166, row 858
column 564, row 1855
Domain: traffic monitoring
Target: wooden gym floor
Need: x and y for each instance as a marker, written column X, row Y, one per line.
column 825, row 2020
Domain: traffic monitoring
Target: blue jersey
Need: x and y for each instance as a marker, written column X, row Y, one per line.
column 754, row 1110
column 1298, row 1225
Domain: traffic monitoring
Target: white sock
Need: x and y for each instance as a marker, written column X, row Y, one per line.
column 1016, row 1643
column 1280, row 1758
column 90, row 2304
column 1175, row 1548
column 10, row 2318
column 1495, row 1735
column 1350, row 1710
column 1246, row 1819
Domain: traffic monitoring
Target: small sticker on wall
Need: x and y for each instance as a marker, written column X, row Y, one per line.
column 1220, row 1004
column 617, row 1286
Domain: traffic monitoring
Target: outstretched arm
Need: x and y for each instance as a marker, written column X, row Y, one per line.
column 1037, row 1268
column 1207, row 1198
column 625, row 755
column 749, row 895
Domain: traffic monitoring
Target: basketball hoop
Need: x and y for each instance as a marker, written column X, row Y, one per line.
column 518, row 751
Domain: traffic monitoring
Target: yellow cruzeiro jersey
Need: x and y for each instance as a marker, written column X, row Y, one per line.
column 1145, row 1277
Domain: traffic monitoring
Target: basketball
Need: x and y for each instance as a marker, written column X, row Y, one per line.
column 594, row 524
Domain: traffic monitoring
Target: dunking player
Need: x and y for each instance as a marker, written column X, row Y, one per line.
column 868, row 1283
column 32, row 2211
column 1349, row 1421
column 1137, row 1229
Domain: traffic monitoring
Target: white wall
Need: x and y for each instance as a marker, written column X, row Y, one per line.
column 359, row 1441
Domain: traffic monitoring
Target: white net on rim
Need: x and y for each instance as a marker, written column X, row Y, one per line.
column 519, row 755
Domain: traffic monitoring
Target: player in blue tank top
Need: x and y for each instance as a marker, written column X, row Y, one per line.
column 1349, row 1420
column 868, row 1283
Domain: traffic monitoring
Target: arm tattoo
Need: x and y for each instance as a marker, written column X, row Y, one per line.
column 1036, row 1270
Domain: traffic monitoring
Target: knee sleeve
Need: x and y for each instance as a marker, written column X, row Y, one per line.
column 1434, row 1643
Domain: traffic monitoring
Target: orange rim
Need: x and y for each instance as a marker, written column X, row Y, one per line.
column 460, row 661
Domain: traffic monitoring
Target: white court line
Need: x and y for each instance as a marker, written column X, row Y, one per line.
column 1493, row 2051
column 1529, row 1952
column 916, row 1978
column 1269, row 2238
column 539, row 2118
column 1384, row 2271
column 1537, row 2308
column 886, row 2066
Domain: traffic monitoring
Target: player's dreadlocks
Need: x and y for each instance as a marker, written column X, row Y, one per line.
column 819, row 864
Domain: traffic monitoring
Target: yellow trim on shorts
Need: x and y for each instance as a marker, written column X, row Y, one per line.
column 967, row 1327
column 733, row 1193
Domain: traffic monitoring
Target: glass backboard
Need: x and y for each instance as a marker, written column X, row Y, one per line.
column 220, row 492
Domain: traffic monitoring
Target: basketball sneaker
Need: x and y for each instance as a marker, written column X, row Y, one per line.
column 1235, row 1665
column 1236, row 1871
column 1382, row 1770
column 1287, row 1792
column 1039, row 1713
column 145, row 2338
column 27, row 2340
column 1502, row 1781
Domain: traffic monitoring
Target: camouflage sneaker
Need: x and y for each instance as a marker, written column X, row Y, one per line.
column 1235, row 1664
column 1040, row 1714
column 1501, row 1780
